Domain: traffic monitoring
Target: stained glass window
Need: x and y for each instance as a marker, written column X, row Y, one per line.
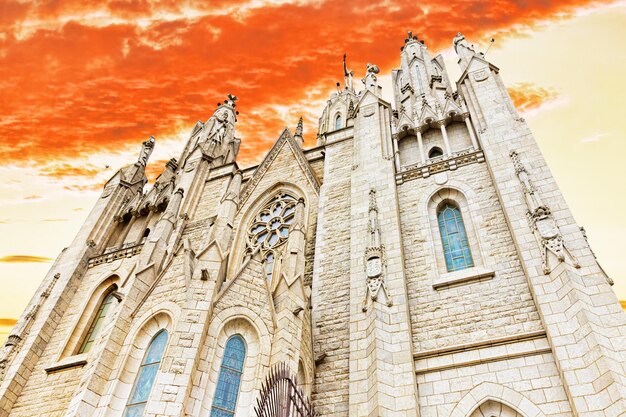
column 455, row 245
column 229, row 380
column 146, row 375
column 270, row 229
column 97, row 323
column 338, row 122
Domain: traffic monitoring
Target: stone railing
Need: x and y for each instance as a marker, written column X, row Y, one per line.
column 127, row 250
column 439, row 164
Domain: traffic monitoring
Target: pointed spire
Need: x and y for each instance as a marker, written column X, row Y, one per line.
column 298, row 135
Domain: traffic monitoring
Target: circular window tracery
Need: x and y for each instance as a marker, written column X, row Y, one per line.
column 270, row 228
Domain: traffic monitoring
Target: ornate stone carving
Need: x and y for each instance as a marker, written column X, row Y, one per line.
column 542, row 221
column 375, row 262
column 21, row 330
column 146, row 150
column 267, row 162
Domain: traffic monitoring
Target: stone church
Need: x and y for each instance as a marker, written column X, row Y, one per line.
column 420, row 260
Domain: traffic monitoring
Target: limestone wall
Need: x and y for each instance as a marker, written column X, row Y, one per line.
column 477, row 310
column 331, row 284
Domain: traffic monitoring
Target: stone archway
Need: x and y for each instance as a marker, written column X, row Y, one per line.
column 489, row 399
column 493, row 408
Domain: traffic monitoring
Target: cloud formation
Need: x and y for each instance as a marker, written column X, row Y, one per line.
column 24, row 259
column 80, row 77
column 528, row 96
column 8, row 322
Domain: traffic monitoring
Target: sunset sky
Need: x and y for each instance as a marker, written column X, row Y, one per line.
column 81, row 85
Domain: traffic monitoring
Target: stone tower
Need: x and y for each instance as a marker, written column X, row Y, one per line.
column 418, row 261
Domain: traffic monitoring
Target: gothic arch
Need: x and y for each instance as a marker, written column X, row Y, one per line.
column 488, row 395
column 251, row 210
column 230, row 322
column 464, row 198
column 95, row 296
column 132, row 352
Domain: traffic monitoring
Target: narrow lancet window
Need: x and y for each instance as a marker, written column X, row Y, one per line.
column 146, row 376
column 97, row 323
column 338, row 121
column 229, row 381
column 454, row 238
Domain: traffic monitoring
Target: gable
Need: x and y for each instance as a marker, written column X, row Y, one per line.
column 284, row 161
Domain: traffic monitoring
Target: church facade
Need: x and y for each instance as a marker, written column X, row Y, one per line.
column 420, row 260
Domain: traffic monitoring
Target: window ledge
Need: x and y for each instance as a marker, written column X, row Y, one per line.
column 463, row 276
column 66, row 363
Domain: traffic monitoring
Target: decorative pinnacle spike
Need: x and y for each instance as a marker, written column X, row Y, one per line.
column 299, row 128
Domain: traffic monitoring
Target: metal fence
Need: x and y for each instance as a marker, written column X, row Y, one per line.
column 281, row 397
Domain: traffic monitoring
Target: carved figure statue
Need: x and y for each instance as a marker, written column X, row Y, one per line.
column 370, row 80
column 146, row 150
column 459, row 39
column 348, row 75
column 217, row 137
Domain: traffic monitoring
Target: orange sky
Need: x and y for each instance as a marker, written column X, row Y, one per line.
column 81, row 85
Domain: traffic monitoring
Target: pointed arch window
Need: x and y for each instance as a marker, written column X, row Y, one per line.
column 229, row 381
column 338, row 121
column 454, row 238
column 97, row 322
column 146, row 376
column 270, row 229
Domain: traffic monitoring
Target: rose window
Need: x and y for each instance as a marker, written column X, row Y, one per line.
column 270, row 229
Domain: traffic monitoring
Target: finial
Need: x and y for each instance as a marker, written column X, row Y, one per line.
column 230, row 101
column 298, row 135
column 410, row 37
column 299, row 128
column 146, row 149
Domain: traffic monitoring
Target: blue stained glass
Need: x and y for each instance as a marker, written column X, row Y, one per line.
column 156, row 349
column 229, row 380
column 135, row 410
column 146, row 375
column 454, row 239
column 143, row 385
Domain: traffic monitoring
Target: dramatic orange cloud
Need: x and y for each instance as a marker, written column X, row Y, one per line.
column 528, row 96
column 23, row 259
column 7, row 322
column 79, row 77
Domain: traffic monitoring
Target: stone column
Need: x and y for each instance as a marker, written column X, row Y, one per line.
column 420, row 143
column 124, row 233
column 470, row 130
column 446, row 142
column 396, row 152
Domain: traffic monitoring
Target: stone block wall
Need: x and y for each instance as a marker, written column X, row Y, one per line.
column 331, row 284
column 478, row 310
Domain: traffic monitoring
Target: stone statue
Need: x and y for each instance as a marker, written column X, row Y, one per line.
column 219, row 133
column 146, row 150
column 347, row 75
column 370, row 80
column 459, row 39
